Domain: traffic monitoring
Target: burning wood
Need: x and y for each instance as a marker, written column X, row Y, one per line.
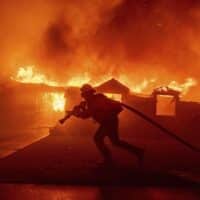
column 29, row 74
column 58, row 101
column 184, row 87
column 77, row 81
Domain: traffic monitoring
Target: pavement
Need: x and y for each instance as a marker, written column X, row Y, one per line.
column 72, row 158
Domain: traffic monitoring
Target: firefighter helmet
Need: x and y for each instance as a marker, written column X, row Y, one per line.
column 87, row 88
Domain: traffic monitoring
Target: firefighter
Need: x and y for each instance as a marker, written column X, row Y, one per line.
column 105, row 111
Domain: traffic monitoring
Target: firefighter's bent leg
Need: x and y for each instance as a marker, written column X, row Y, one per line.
column 138, row 152
column 129, row 147
column 114, row 137
column 99, row 141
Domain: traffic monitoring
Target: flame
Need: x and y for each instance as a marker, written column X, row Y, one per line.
column 57, row 101
column 147, row 85
column 77, row 81
column 184, row 87
column 116, row 97
column 30, row 75
column 139, row 88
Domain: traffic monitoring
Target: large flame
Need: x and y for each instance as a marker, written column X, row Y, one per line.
column 77, row 81
column 29, row 74
column 184, row 87
column 141, row 87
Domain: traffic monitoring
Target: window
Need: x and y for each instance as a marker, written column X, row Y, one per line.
column 117, row 97
column 166, row 105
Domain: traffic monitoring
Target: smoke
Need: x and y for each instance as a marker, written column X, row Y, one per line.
column 156, row 37
column 136, row 38
column 22, row 25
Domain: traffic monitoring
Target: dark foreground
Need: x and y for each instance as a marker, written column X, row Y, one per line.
column 68, row 159
column 52, row 160
column 53, row 192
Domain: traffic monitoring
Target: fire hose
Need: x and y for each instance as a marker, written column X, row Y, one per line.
column 143, row 116
column 159, row 126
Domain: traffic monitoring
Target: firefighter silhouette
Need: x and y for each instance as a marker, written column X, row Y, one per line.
column 105, row 111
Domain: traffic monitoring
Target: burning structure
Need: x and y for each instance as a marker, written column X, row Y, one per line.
column 142, row 44
column 179, row 116
column 51, row 96
column 164, row 105
column 50, row 102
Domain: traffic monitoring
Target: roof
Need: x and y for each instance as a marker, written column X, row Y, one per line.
column 166, row 91
column 113, row 86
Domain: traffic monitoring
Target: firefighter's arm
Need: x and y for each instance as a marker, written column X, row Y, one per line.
column 83, row 113
column 77, row 111
column 67, row 116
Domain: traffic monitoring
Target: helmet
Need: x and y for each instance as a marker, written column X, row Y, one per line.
column 87, row 88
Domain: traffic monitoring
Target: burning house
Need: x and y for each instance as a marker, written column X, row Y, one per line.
column 164, row 105
column 32, row 100
column 126, row 49
column 179, row 116
column 27, row 105
column 114, row 89
column 111, row 88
